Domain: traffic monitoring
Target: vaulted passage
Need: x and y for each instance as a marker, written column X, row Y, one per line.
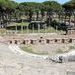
column 10, row 42
column 56, row 40
column 42, row 41
column 16, row 42
column 63, row 40
column 31, row 41
column 47, row 41
column 70, row 40
column 24, row 42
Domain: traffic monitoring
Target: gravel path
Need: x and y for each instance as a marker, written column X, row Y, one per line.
column 12, row 63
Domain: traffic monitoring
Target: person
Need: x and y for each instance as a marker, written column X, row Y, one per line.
column 60, row 59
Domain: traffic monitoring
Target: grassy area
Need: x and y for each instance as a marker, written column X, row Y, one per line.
column 72, row 47
column 48, row 51
column 65, row 50
column 25, row 30
column 60, row 51
column 19, row 24
column 2, row 31
column 48, row 30
column 30, row 50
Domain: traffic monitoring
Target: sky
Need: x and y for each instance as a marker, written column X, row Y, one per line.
column 60, row 1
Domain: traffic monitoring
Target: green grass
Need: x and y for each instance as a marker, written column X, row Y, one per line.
column 72, row 47
column 59, row 51
column 2, row 31
column 48, row 30
column 30, row 50
column 19, row 24
column 27, row 49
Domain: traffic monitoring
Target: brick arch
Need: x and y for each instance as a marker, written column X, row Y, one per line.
column 62, row 40
column 10, row 41
column 16, row 42
column 24, row 42
column 70, row 40
column 40, row 40
column 47, row 41
column 56, row 40
column 31, row 41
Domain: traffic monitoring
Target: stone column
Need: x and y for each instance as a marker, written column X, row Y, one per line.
column 21, row 28
column 38, row 28
column 27, row 29
column 16, row 28
column 33, row 28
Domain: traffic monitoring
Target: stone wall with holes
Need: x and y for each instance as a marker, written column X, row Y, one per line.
column 71, row 32
column 40, row 41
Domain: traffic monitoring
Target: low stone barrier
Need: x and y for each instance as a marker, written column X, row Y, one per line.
column 39, row 41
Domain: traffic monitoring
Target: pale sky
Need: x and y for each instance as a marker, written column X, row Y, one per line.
column 60, row 1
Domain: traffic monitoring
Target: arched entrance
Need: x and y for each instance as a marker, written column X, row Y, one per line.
column 70, row 40
column 10, row 42
column 24, row 42
column 47, row 41
column 56, row 40
column 63, row 40
column 16, row 42
column 31, row 41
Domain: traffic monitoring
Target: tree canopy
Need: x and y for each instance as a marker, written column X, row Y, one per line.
column 69, row 5
column 10, row 9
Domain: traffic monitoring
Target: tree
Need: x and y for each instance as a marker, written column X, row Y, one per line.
column 52, row 5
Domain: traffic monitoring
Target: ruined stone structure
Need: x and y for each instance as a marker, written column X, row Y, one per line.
column 71, row 30
column 39, row 39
